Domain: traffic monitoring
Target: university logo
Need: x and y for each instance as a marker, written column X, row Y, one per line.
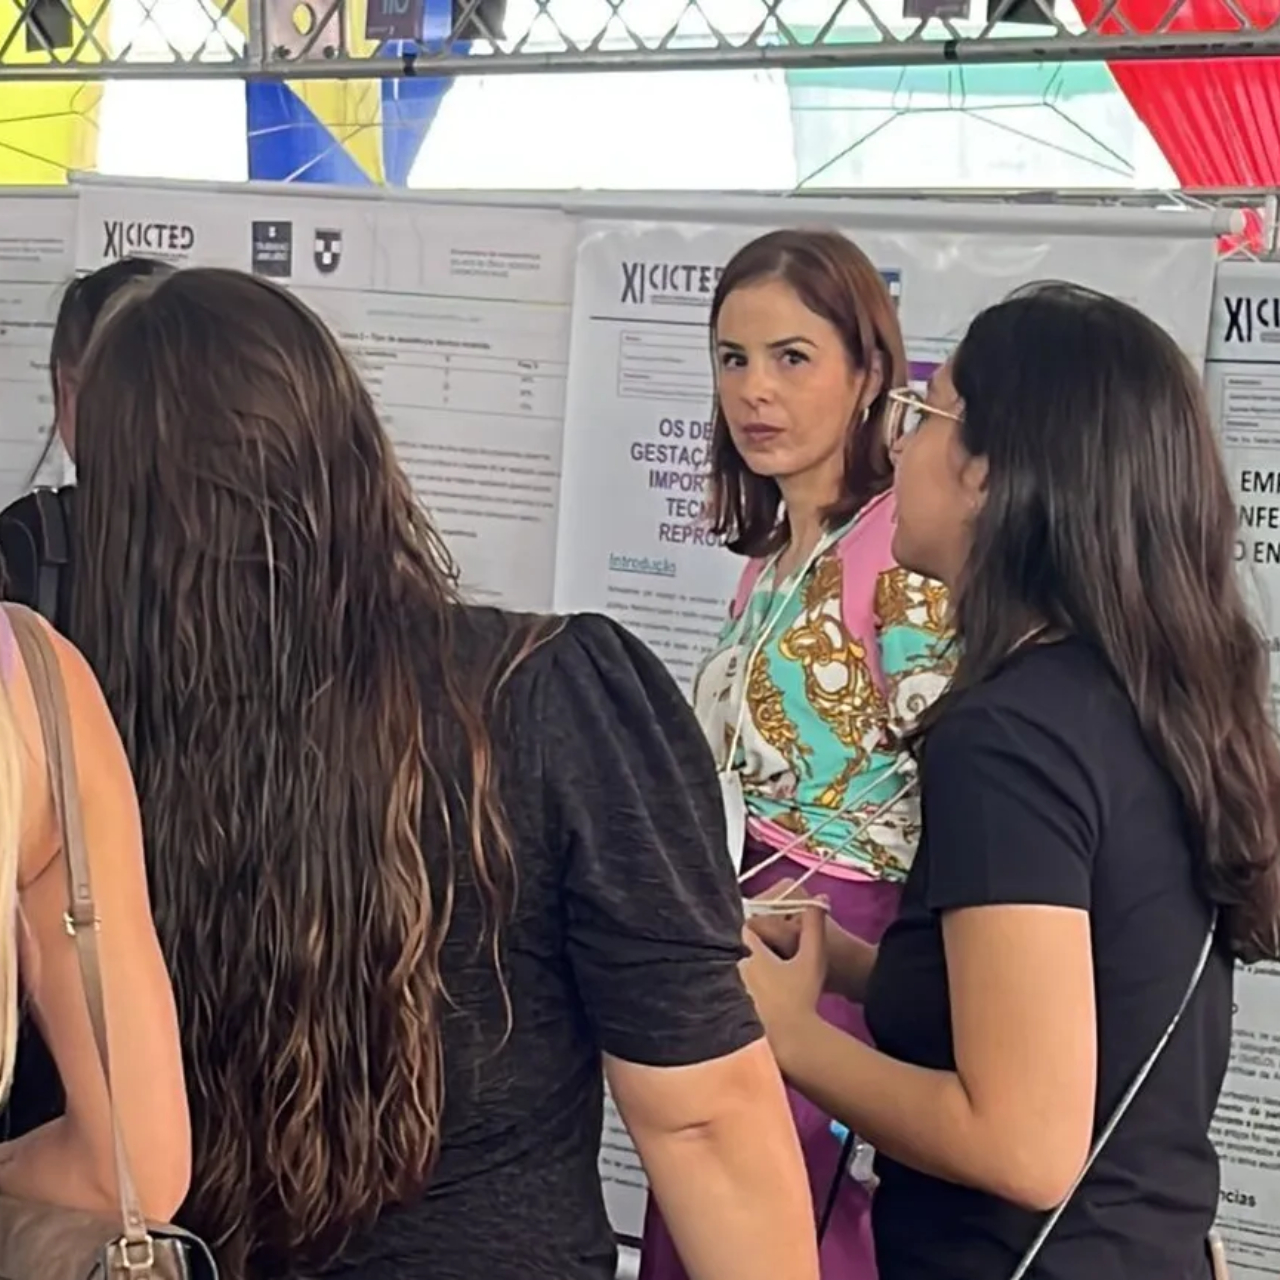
column 328, row 251
column 272, row 253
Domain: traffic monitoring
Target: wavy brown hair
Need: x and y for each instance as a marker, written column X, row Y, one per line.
column 838, row 282
column 1108, row 516
column 273, row 619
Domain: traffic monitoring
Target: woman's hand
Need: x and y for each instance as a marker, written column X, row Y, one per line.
column 781, row 932
column 849, row 960
column 786, row 990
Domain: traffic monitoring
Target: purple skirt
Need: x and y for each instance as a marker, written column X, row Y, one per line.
column 865, row 908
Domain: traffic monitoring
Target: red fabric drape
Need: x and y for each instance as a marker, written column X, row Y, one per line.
column 1217, row 122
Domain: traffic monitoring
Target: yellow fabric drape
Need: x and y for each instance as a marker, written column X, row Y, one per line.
column 49, row 128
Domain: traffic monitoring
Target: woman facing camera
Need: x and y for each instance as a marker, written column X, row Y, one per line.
column 420, row 870
column 830, row 647
column 1101, row 820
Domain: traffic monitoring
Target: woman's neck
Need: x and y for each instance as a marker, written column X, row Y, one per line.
column 805, row 526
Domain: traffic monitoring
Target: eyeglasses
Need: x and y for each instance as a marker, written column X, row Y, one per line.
column 907, row 413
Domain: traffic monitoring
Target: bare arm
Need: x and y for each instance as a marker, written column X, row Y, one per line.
column 719, row 1145
column 70, row 1161
column 1011, row 819
column 1016, row 1115
column 653, row 931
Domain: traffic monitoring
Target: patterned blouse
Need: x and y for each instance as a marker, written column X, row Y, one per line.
column 861, row 645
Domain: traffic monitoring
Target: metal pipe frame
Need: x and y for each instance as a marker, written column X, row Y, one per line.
column 323, row 52
column 897, row 53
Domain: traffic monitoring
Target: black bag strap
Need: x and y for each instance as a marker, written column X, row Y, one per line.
column 1202, row 961
column 53, row 553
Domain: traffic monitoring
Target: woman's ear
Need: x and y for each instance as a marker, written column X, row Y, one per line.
column 973, row 478
column 872, row 383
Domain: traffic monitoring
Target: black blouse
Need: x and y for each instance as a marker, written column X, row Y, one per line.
column 626, row 940
column 1039, row 788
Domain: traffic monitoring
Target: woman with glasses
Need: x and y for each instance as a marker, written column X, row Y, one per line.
column 1100, row 802
column 829, row 648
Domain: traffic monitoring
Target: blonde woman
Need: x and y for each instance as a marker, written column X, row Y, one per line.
column 68, row 1159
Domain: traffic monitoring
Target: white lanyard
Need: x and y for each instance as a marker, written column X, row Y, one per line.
column 825, row 543
column 903, row 770
column 731, row 793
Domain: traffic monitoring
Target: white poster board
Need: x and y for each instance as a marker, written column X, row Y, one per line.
column 1242, row 378
column 457, row 317
column 632, row 538
column 37, row 238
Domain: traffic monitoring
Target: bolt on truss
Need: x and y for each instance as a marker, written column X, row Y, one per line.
column 343, row 39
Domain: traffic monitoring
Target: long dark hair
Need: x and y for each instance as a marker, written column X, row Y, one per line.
column 838, row 282
column 274, row 623
column 1108, row 515
column 82, row 303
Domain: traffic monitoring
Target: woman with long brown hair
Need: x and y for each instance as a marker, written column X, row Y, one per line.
column 831, row 648
column 1100, row 796
column 417, row 867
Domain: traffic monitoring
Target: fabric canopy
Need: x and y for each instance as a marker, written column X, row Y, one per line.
column 349, row 132
column 1217, row 121
column 48, row 128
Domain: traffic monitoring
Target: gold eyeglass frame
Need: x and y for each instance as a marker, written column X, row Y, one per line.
column 902, row 401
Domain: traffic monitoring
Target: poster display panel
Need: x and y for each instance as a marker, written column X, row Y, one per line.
column 1242, row 378
column 457, row 318
column 634, row 542
column 37, row 260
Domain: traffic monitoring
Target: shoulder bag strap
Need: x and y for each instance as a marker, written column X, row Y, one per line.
column 50, row 693
column 1123, row 1105
column 52, row 551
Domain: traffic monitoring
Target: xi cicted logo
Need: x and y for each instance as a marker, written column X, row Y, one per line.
column 328, row 251
column 168, row 240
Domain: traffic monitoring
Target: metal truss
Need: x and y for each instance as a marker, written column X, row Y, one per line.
column 1259, row 237
column 1248, row 198
column 76, row 40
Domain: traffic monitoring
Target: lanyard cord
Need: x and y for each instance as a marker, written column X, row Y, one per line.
column 825, row 543
column 903, row 767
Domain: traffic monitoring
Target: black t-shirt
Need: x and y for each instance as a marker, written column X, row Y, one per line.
column 626, row 939
column 1038, row 787
column 35, row 553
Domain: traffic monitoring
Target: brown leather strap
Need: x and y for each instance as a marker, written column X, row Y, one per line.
column 50, row 693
